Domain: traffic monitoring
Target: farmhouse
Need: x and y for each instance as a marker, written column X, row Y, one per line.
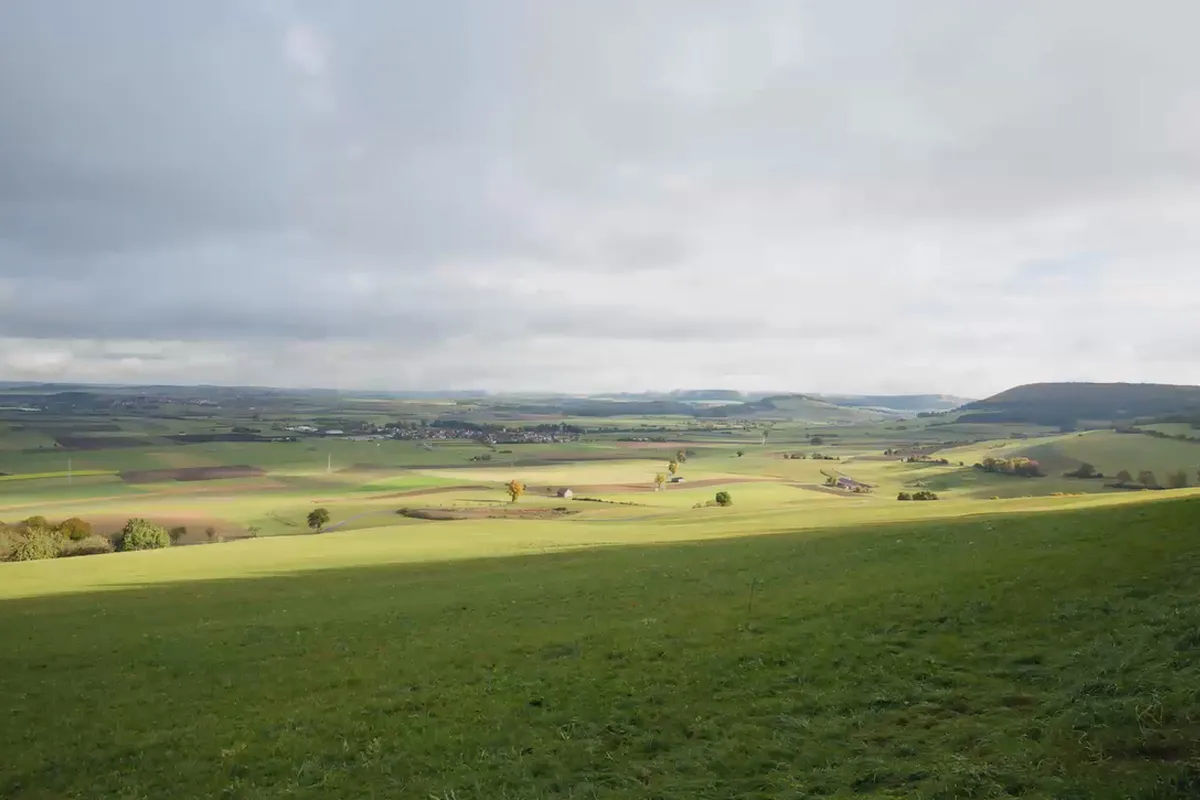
column 566, row 493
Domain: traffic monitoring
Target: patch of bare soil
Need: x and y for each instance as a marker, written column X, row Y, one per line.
column 192, row 474
column 485, row 513
column 649, row 486
column 817, row 487
column 196, row 524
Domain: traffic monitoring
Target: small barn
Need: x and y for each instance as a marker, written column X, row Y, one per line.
column 566, row 493
column 678, row 479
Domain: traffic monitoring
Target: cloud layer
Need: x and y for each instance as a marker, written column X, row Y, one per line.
column 861, row 196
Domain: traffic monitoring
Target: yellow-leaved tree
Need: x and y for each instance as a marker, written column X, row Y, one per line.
column 515, row 489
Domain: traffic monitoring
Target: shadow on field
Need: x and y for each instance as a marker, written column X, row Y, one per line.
column 1050, row 655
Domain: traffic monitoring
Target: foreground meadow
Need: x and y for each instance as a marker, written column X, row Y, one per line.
column 1037, row 655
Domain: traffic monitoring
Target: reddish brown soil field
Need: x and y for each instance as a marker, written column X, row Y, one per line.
column 484, row 513
column 191, row 474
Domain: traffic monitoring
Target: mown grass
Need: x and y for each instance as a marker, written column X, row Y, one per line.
column 1053, row 655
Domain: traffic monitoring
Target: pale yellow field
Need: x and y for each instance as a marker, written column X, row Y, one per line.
column 441, row 541
column 583, row 473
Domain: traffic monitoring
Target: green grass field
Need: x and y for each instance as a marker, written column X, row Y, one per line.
column 1024, row 655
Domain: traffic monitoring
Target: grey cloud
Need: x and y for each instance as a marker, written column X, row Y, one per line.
column 754, row 187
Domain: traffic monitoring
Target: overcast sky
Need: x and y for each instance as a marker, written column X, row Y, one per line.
column 586, row 195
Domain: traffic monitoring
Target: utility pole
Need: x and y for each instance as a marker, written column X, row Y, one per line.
column 69, row 481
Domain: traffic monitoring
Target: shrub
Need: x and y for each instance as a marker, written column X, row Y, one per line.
column 88, row 546
column 140, row 534
column 36, row 545
column 924, row 494
column 904, row 496
column 75, row 529
column 723, row 499
column 211, row 533
column 9, row 539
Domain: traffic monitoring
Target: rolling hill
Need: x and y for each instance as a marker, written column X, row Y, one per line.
column 1068, row 404
column 903, row 403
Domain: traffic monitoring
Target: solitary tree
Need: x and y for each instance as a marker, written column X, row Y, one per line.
column 1146, row 478
column 318, row 518
column 515, row 489
column 177, row 533
column 673, row 467
column 817, row 441
column 723, row 499
column 211, row 533
column 659, row 480
column 1124, row 477
column 681, row 456
column 1178, row 480
column 253, row 531
column 741, row 453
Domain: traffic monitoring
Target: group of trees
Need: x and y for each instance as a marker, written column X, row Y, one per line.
column 924, row 494
column 1019, row 466
column 35, row 538
column 1147, row 480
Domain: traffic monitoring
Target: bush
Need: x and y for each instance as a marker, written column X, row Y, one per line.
column 904, row 496
column 1178, row 480
column 9, row 539
column 724, row 499
column 36, row 545
column 140, row 534
column 177, row 533
column 924, row 494
column 89, row 546
column 75, row 529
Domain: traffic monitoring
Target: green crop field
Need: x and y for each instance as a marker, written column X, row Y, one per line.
column 1048, row 655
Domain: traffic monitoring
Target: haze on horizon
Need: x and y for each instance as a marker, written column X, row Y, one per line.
column 931, row 196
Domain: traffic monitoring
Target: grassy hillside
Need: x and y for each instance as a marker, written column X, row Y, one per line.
column 1069, row 403
column 1111, row 452
column 1052, row 655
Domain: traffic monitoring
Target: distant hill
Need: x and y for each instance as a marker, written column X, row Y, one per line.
column 908, row 403
column 798, row 407
column 1067, row 404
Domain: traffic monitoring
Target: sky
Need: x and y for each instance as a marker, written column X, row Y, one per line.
column 600, row 195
